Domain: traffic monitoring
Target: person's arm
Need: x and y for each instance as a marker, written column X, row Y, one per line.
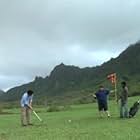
column 126, row 93
column 94, row 96
column 25, row 99
column 30, row 102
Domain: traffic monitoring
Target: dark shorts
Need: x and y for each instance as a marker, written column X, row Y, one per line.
column 102, row 106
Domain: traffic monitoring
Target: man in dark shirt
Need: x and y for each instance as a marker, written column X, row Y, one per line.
column 123, row 101
column 102, row 96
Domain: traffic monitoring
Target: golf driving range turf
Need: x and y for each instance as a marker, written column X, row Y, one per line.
column 81, row 122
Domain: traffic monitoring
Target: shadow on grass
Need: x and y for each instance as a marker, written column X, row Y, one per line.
column 101, row 119
column 6, row 113
column 3, row 136
column 42, row 124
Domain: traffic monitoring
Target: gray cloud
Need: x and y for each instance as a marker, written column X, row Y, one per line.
column 37, row 35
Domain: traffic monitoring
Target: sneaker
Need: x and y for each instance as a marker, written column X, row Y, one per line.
column 108, row 116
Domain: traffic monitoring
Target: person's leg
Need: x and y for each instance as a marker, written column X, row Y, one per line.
column 23, row 116
column 28, row 116
column 100, row 108
column 121, row 110
column 106, row 109
column 126, row 114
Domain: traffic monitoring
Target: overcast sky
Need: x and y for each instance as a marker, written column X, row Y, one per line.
column 37, row 35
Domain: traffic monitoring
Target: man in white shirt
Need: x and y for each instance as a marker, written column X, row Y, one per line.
column 26, row 106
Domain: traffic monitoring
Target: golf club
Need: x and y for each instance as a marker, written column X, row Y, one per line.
column 35, row 114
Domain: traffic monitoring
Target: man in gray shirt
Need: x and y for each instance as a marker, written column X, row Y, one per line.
column 123, row 101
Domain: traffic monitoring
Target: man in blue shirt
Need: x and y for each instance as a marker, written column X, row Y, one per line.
column 26, row 105
column 102, row 96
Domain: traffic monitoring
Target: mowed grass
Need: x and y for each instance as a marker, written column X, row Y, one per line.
column 85, row 125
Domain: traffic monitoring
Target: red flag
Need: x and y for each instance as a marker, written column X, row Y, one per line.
column 112, row 77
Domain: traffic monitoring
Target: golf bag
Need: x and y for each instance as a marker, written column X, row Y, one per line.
column 134, row 109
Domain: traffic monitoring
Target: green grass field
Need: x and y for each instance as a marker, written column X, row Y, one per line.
column 85, row 125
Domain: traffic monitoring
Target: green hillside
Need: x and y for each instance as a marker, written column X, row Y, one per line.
column 72, row 84
column 1, row 92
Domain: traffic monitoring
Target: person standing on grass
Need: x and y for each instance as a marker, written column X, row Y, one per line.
column 123, row 101
column 102, row 97
column 26, row 106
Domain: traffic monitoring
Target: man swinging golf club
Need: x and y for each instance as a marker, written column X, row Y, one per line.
column 26, row 106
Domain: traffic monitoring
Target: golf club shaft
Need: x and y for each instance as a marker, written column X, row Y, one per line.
column 37, row 116
column 35, row 113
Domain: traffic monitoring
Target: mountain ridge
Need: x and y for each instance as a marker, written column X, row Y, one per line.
column 72, row 82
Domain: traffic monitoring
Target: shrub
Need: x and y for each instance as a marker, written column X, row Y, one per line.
column 54, row 108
